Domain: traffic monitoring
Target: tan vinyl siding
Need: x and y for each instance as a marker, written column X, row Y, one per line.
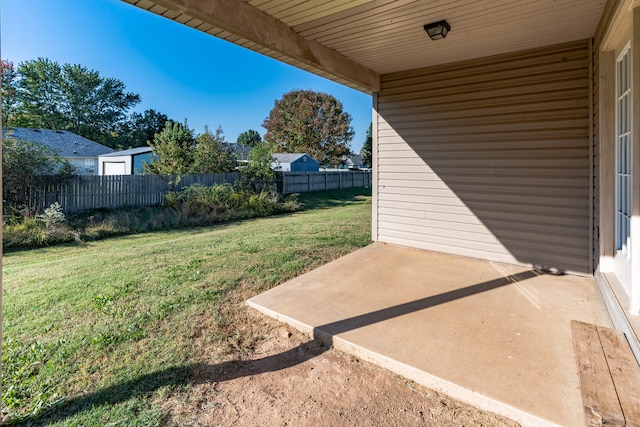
column 489, row 158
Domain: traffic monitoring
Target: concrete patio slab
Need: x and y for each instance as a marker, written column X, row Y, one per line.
column 493, row 335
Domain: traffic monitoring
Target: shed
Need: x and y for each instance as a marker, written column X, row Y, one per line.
column 298, row 162
column 125, row 162
column 81, row 152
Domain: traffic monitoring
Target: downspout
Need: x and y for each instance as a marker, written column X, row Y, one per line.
column 591, row 161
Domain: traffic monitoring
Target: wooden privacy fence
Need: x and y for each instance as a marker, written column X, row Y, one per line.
column 308, row 182
column 85, row 192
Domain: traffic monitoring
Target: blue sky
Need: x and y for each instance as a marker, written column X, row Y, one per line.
column 177, row 70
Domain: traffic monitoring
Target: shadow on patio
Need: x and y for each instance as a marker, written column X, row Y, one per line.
column 493, row 335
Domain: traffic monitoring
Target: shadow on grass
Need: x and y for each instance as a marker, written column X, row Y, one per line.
column 333, row 198
column 209, row 373
column 174, row 376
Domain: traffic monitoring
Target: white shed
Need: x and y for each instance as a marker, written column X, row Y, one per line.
column 126, row 162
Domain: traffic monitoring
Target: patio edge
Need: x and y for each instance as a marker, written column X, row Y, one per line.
column 420, row 377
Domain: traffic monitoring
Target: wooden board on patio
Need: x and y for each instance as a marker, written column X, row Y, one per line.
column 609, row 375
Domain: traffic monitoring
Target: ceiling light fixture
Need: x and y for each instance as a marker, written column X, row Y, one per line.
column 437, row 30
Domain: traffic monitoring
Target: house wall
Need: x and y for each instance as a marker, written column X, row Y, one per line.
column 301, row 166
column 619, row 23
column 139, row 161
column 84, row 165
column 489, row 158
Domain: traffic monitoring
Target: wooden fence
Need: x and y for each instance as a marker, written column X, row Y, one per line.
column 308, row 182
column 85, row 192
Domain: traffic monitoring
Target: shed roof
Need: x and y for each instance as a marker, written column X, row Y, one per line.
column 65, row 143
column 290, row 157
column 130, row 152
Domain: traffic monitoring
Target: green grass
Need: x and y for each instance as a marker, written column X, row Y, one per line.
column 98, row 333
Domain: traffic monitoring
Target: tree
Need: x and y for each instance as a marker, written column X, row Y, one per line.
column 173, row 148
column 71, row 97
column 365, row 151
column 178, row 151
column 304, row 121
column 210, row 154
column 258, row 174
column 139, row 129
column 26, row 165
column 9, row 101
column 39, row 95
column 250, row 137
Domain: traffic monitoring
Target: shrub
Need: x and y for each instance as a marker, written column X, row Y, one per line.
column 33, row 231
column 195, row 205
column 26, row 165
column 224, row 200
column 52, row 215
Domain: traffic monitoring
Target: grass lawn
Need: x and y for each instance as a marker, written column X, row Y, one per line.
column 98, row 333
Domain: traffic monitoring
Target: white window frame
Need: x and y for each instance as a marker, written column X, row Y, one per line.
column 623, row 153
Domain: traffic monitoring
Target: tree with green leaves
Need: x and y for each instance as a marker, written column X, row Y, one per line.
column 179, row 151
column 9, row 79
column 250, row 137
column 304, row 121
column 173, row 149
column 258, row 174
column 210, row 154
column 26, row 165
column 365, row 151
column 139, row 129
column 71, row 97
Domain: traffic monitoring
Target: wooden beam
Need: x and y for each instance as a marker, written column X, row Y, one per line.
column 250, row 23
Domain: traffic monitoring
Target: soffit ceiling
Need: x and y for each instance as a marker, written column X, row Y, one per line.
column 387, row 36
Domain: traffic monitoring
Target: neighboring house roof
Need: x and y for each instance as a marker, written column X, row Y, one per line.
column 355, row 160
column 65, row 143
column 290, row 157
column 241, row 151
column 130, row 152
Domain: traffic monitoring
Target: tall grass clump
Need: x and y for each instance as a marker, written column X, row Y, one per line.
column 196, row 205
column 28, row 230
column 224, row 201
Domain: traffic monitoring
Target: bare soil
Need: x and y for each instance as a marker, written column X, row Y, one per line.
column 289, row 380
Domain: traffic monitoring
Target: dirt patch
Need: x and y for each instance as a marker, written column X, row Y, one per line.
column 289, row 380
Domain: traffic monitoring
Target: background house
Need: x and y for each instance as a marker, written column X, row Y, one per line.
column 81, row 152
column 298, row 162
column 240, row 151
column 126, row 162
column 354, row 162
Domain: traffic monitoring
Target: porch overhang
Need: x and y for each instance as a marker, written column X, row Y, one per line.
column 354, row 42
